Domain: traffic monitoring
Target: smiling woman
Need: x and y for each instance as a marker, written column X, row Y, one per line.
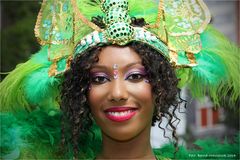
column 126, row 95
column 109, row 70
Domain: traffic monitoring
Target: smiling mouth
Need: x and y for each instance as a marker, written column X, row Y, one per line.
column 120, row 114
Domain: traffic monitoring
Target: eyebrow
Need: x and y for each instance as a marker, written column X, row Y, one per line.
column 127, row 66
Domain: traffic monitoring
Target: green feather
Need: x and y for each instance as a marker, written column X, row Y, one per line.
column 12, row 87
column 89, row 8
column 34, row 134
column 148, row 11
column 41, row 89
column 29, row 85
column 217, row 72
column 37, row 134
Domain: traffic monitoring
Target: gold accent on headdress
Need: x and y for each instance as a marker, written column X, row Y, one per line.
column 191, row 58
column 82, row 18
column 160, row 19
column 53, row 69
column 38, row 23
column 173, row 57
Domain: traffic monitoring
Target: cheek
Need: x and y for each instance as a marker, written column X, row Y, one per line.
column 142, row 92
column 96, row 95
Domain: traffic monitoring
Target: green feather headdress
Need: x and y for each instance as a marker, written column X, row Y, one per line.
column 204, row 59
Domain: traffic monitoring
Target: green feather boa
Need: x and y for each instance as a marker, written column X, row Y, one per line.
column 37, row 135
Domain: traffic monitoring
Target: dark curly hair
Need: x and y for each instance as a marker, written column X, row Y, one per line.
column 74, row 90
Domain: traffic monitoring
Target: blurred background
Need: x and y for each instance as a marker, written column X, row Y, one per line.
column 17, row 35
column 198, row 120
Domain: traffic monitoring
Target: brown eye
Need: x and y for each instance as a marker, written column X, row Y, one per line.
column 99, row 79
column 135, row 77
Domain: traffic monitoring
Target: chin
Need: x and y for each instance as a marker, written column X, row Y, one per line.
column 121, row 136
column 125, row 132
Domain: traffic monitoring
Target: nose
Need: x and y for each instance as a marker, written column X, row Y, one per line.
column 118, row 91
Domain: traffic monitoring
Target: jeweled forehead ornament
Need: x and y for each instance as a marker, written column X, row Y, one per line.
column 115, row 71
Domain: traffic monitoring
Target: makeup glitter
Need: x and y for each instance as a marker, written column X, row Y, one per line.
column 115, row 66
column 146, row 80
column 115, row 71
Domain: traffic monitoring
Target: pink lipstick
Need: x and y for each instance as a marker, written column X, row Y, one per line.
column 120, row 114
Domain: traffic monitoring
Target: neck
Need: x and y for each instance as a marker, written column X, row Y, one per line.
column 138, row 147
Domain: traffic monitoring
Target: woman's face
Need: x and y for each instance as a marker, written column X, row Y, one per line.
column 120, row 96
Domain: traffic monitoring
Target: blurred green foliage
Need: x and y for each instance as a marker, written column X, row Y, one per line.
column 17, row 32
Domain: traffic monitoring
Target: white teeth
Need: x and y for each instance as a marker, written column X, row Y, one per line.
column 120, row 113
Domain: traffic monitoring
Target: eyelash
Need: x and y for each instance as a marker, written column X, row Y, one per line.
column 139, row 77
column 134, row 77
column 96, row 80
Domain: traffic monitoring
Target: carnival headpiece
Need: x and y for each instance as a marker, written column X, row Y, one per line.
column 204, row 59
